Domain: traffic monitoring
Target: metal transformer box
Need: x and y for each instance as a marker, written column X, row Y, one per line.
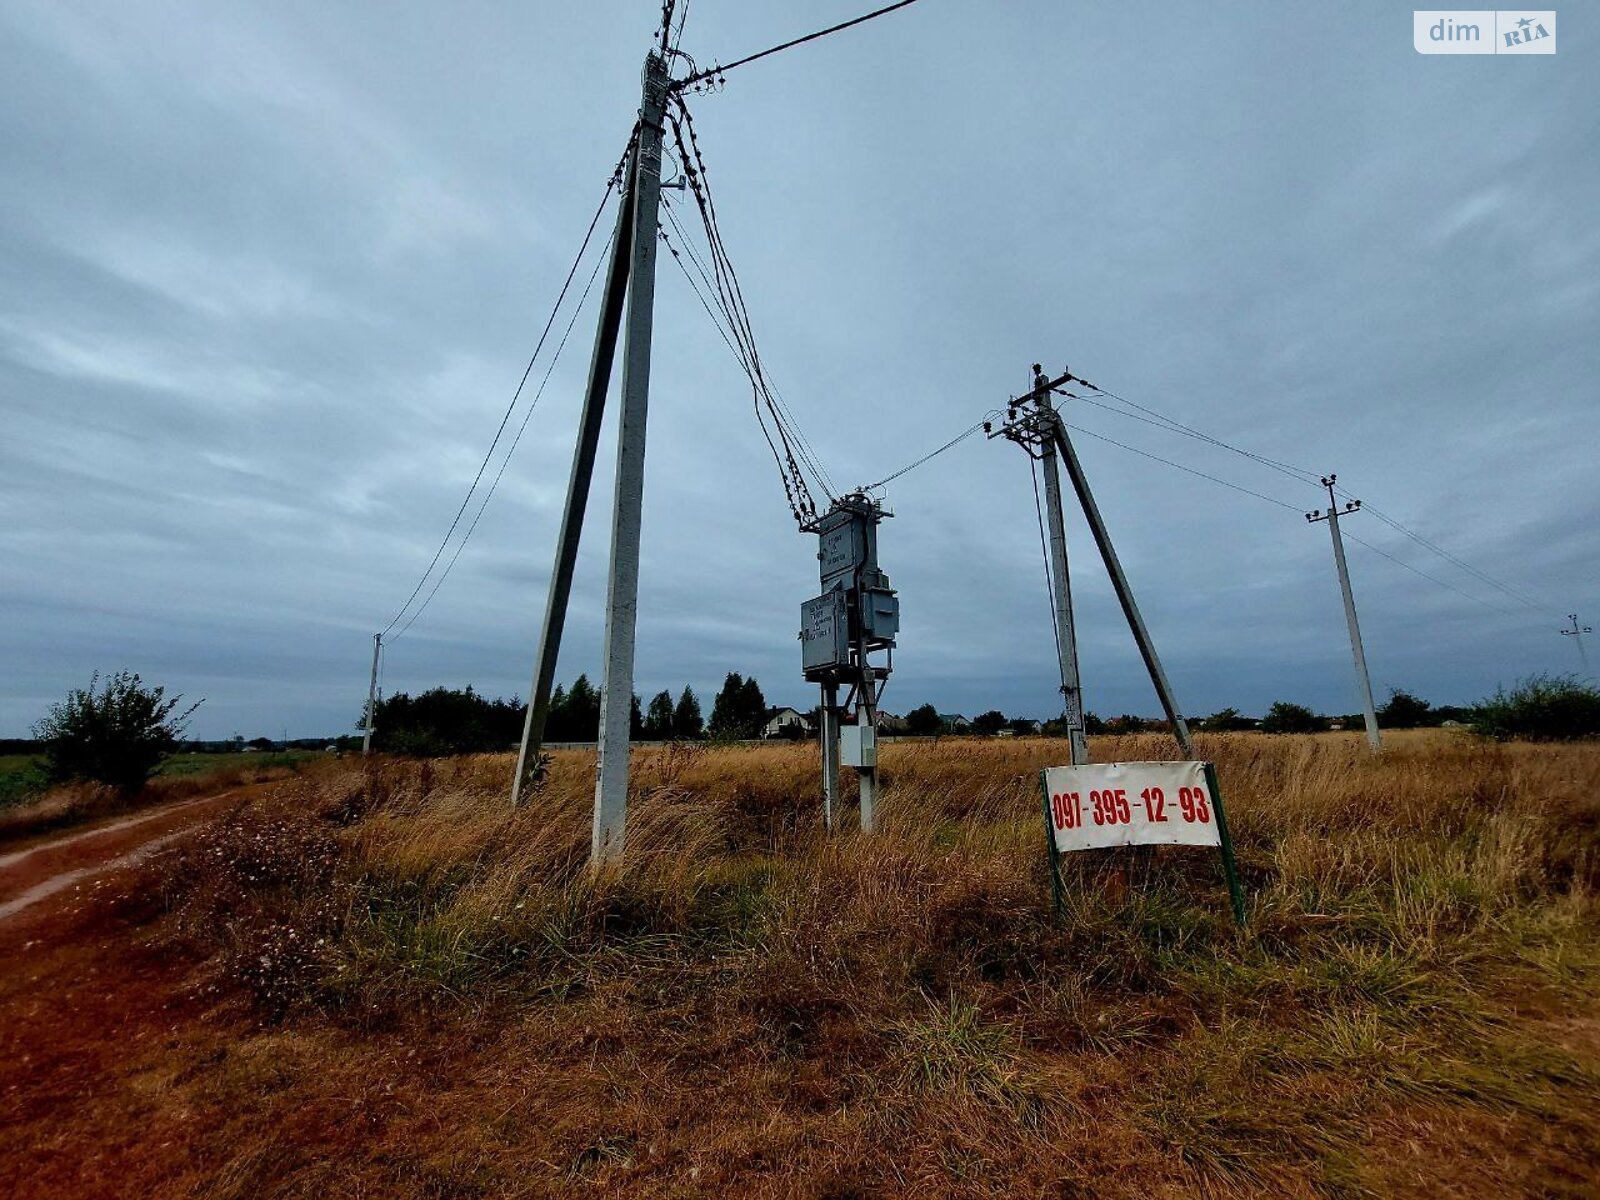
column 824, row 633
column 880, row 613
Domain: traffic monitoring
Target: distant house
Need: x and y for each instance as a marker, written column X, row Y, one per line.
column 786, row 722
column 889, row 723
column 954, row 723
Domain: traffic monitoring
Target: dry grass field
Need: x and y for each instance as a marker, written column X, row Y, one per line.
column 382, row 982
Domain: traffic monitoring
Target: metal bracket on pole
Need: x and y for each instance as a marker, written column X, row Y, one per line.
column 622, row 599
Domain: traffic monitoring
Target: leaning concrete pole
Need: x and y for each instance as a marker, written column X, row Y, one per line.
column 1066, row 633
column 622, row 600
column 372, row 696
column 1119, row 582
column 1363, row 680
column 583, row 455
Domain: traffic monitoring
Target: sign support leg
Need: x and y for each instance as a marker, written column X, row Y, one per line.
column 1235, row 892
column 1050, row 846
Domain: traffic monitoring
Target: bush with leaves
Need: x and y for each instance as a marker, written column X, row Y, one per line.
column 1541, row 708
column 1404, row 711
column 1284, row 717
column 115, row 733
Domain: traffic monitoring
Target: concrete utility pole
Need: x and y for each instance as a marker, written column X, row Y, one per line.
column 1037, row 429
column 372, row 696
column 583, row 454
column 1066, row 634
column 622, row 601
column 1576, row 634
column 1362, row 679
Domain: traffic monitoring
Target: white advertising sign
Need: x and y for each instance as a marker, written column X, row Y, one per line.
column 1130, row 804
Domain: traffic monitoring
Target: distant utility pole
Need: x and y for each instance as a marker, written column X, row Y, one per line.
column 1066, row 633
column 1362, row 678
column 1034, row 424
column 372, row 696
column 1576, row 634
column 631, row 276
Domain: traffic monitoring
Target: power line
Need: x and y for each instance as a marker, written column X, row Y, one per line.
column 505, row 419
column 719, row 71
column 1292, row 508
column 515, row 441
column 722, row 324
column 1400, row 562
column 1044, row 552
column 1161, row 421
column 1188, row 470
column 1302, row 475
column 1481, row 576
column 808, row 453
column 951, row 444
column 724, row 283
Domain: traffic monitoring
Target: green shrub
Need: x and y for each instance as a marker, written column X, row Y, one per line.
column 1541, row 708
column 1284, row 717
column 116, row 734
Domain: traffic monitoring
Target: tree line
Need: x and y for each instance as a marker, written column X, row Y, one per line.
column 444, row 721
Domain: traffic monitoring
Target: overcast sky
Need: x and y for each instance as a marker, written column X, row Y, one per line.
column 269, row 274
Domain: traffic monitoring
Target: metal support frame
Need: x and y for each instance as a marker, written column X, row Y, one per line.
column 622, row 600
column 372, row 696
column 1357, row 651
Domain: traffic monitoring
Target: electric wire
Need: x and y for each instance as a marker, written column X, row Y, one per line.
column 1161, row 421
column 803, row 446
column 1481, row 576
column 1292, row 508
column 739, row 317
column 516, row 440
column 1295, row 508
column 1044, row 553
column 778, row 426
column 515, row 397
column 719, row 71
column 1303, row 475
column 932, row 454
column 1400, row 562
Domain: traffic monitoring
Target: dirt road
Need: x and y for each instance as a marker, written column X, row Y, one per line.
column 48, row 869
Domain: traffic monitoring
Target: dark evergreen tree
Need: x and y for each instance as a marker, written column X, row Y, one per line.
column 658, row 718
column 687, row 723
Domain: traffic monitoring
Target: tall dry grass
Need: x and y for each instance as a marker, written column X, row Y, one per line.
column 917, row 987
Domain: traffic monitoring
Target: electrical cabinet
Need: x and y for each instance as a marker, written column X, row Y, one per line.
column 858, row 746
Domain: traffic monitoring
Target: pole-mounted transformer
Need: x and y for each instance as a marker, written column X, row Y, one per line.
column 857, row 615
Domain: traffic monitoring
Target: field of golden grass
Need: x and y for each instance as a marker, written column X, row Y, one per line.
column 396, row 986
